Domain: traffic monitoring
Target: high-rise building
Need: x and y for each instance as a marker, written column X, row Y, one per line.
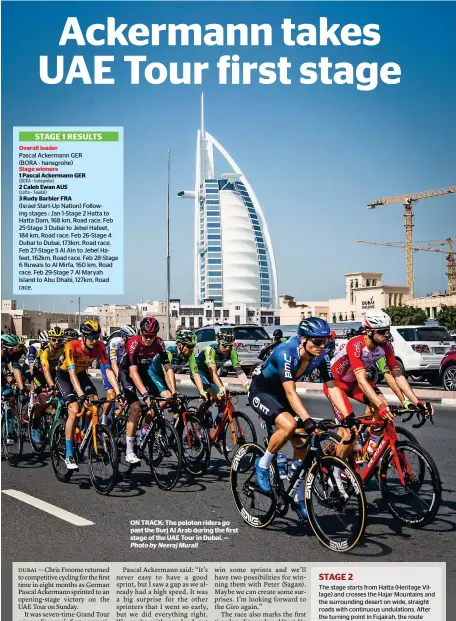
column 234, row 259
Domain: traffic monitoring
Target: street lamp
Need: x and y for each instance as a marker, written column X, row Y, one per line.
column 79, row 307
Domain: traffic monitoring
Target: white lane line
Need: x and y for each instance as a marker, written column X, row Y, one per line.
column 48, row 508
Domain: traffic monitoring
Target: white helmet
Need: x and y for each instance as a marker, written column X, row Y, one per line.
column 127, row 331
column 376, row 319
column 44, row 336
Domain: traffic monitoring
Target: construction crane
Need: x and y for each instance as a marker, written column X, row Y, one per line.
column 408, row 201
column 451, row 261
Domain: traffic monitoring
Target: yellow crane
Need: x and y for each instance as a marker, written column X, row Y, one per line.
column 408, row 200
column 451, row 261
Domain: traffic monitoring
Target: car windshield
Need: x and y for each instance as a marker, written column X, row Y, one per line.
column 433, row 334
column 251, row 334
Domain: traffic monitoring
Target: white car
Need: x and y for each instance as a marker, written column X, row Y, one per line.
column 420, row 349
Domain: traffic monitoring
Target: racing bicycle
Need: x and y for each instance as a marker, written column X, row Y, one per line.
column 336, row 507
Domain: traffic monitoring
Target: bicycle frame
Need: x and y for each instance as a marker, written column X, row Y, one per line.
column 226, row 415
column 389, row 439
column 90, row 430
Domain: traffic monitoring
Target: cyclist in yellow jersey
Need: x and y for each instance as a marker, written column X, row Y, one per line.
column 44, row 372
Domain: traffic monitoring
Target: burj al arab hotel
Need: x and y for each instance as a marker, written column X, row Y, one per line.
column 234, row 260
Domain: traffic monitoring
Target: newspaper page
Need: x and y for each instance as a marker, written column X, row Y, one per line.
column 228, row 310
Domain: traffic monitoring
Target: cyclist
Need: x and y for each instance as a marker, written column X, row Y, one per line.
column 139, row 353
column 351, row 363
column 116, row 352
column 219, row 352
column 73, row 381
column 277, row 339
column 274, row 398
column 44, row 373
column 70, row 334
column 178, row 356
column 11, row 353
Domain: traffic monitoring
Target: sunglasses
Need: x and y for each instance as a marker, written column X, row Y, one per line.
column 319, row 342
column 148, row 336
column 383, row 331
column 93, row 337
column 53, row 340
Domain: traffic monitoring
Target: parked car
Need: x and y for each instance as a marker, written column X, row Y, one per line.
column 249, row 340
column 448, row 369
column 420, row 349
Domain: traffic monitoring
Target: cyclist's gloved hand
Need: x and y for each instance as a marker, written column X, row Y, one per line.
column 309, row 425
column 221, row 393
column 122, row 399
column 52, row 390
column 425, row 409
column 406, row 404
column 81, row 400
column 247, row 386
column 147, row 399
column 385, row 412
column 352, row 421
column 175, row 395
column 23, row 392
column 204, row 395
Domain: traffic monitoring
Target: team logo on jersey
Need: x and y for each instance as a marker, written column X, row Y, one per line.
column 257, row 404
column 287, row 367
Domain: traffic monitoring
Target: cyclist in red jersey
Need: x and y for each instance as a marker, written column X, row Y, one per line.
column 349, row 367
column 139, row 353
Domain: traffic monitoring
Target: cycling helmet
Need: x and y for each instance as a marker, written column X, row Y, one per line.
column 225, row 338
column 56, row 332
column 9, row 341
column 20, row 340
column 44, row 336
column 149, row 325
column 376, row 319
column 69, row 334
column 314, row 327
column 127, row 331
column 186, row 337
column 90, row 327
column 278, row 333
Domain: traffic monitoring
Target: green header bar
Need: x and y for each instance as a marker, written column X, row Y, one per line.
column 68, row 136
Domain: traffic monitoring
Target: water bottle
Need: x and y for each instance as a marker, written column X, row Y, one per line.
column 144, row 430
column 282, row 465
column 218, row 419
column 294, row 466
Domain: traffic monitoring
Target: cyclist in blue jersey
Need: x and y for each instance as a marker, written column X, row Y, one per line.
column 274, row 398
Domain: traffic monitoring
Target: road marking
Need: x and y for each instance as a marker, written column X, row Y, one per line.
column 48, row 508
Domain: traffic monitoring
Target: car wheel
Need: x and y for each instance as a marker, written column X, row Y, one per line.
column 449, row 378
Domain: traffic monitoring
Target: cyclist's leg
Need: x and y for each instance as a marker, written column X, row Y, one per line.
column 342, row 450
column 134, row 411
column 371, row 411
column 110, row 394
column 66, row 389
column 273, row 412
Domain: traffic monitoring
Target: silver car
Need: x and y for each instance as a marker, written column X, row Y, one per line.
column 249, row 341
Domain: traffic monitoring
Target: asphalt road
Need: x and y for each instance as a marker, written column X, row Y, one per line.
column 29, row 534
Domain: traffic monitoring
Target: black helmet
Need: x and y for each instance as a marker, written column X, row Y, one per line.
column 314, row 327
column 277, row 333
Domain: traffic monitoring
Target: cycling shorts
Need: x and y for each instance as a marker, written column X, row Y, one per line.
column 104, row 377
column 266, row 404
column 158, row 381
column 207, row 384
column 40, row 381
column 350, row 390
column 63, row 383
column 129, row 387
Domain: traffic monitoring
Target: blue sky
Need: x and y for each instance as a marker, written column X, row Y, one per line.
column 314, row 154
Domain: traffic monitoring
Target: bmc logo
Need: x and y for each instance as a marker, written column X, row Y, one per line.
column 287, row 366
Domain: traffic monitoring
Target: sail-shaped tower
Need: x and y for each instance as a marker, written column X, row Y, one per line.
column 234, row 259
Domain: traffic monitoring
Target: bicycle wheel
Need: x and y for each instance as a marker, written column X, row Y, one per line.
column 38, row 447
column 404, row 434
column 417, row 501
column 336, row 510
column 58, row 450
column 165, row 454
column 103, row 459
column 257, row 508
column 243, row 433
column 12, row 438
column 196, row 448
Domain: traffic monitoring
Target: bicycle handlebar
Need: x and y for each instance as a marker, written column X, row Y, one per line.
column 411, row 411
